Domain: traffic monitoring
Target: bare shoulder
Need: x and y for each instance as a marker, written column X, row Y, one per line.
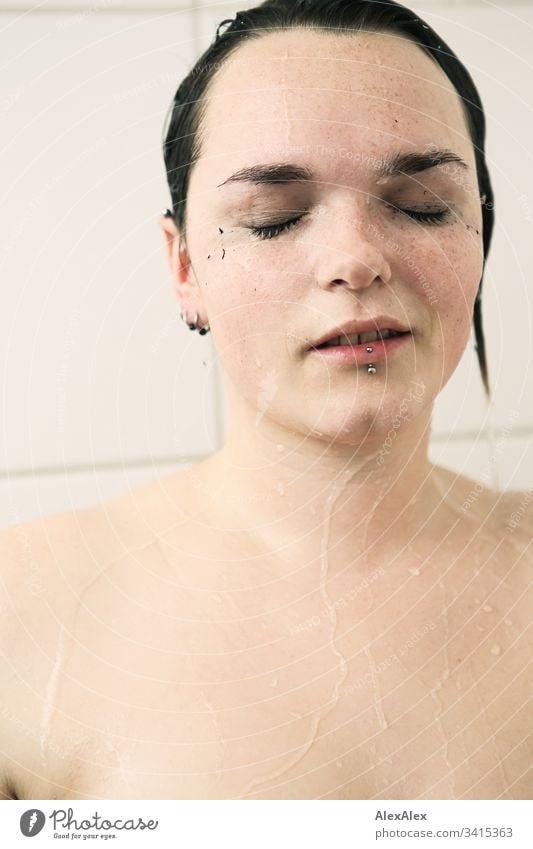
column 519, row 512
column 46, row 565
column 501, row 519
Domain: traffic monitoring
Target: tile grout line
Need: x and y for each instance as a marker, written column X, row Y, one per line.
column 156, row 462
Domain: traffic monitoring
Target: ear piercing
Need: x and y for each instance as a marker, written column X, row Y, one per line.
column 194, row 325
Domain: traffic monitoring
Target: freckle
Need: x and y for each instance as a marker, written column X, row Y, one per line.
column 220, row 230
column 223, row 252
column 208, row 256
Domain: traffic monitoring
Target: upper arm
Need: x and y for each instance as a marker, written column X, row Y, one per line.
column 15, row 599
column 33, row 598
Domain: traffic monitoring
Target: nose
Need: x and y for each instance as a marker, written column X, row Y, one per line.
column 353, row 256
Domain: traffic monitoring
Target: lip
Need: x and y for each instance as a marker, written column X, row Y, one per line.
column 379, row 322
column 358, row 355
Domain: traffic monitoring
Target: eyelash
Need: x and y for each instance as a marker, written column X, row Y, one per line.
column 273, row 230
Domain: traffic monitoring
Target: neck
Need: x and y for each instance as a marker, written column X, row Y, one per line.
column 283, row 488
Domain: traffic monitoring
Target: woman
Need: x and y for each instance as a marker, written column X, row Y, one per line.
column 316, row 610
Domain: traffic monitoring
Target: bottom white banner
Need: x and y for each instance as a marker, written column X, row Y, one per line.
column 269, row 824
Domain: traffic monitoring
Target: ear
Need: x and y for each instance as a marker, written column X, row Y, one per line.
column 183, row 279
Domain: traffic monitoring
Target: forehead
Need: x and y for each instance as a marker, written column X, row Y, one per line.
column 301, row 87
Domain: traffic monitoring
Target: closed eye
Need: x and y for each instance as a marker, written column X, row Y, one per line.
column 425, row 216
column 271, row 230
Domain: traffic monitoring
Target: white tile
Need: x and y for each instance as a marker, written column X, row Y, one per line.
column 503, row 461
column 23, row 499
column 98, row 364
column 515, row 461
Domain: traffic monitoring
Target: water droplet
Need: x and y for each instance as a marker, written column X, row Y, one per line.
column 508, row 622
column 216, row 597
column 338, row 763
column 281, row 489
column 258, row 362
column 279, row 447
column 481, row 628
column 274, row 682
column 495, row 650
column 487, row 608
column 476, row 601
column 296, row 715
column 414, row 571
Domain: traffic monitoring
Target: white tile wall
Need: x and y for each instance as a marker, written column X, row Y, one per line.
column 97, row 366
column 25, row 497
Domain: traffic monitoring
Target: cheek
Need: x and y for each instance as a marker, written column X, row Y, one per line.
column 447, row 274
column 452, row 274
column 248, row 291
column 248, row 306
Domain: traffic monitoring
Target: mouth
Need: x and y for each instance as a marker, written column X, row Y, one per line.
column 354, row 339
column 362, row 348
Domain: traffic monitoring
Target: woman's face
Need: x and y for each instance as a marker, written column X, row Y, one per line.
column 407, row 246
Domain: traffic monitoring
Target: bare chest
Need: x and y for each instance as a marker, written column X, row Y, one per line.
column 360, row 688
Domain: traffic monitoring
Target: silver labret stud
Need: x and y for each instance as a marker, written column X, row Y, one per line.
column 369, row 350
column 371, row 369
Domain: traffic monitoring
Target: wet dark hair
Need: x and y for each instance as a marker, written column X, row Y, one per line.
column 182, row 137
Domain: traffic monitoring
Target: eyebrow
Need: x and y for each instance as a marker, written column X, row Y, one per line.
column 397, row 165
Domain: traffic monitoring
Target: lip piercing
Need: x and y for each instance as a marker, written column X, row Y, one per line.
column 371, row 369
